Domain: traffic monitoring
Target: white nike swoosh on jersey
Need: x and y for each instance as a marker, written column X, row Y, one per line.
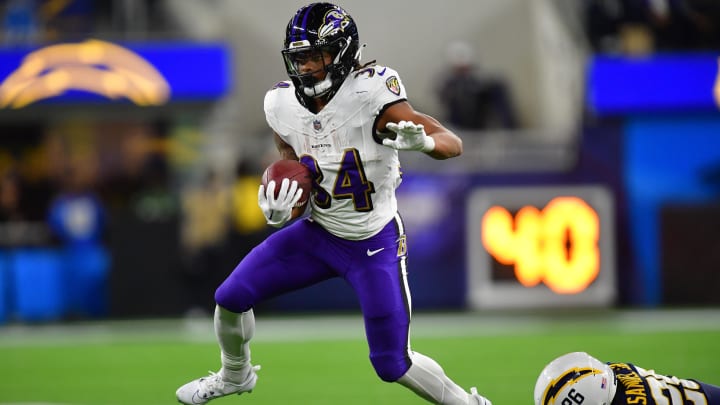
column 374, row 252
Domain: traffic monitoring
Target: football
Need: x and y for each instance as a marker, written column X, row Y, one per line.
column 293, row 170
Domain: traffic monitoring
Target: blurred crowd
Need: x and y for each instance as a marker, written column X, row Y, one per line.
column 66, row 186
column 642, row 26
column 33, row 21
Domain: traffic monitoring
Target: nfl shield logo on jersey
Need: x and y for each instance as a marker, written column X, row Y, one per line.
column 317, row 125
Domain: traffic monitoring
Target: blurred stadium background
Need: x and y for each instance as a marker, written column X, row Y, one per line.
column 132, row 137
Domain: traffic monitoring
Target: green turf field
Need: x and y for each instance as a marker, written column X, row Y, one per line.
column 323, row 360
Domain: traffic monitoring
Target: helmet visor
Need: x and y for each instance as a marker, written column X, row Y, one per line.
column 296, row 59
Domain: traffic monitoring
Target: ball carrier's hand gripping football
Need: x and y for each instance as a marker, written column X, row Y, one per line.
column 278, row 209
column 410, row 136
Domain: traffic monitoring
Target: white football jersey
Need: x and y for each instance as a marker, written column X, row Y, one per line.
column 356, row 173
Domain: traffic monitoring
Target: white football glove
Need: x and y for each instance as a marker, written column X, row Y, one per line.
column 410, row 136
column 278, row 210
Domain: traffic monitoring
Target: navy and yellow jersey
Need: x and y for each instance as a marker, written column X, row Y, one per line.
column 636, row 385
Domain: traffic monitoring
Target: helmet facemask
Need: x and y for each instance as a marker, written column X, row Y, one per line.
column 343, row 52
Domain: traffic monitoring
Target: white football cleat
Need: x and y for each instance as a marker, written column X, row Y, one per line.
column 202, row 390
column 480, row 400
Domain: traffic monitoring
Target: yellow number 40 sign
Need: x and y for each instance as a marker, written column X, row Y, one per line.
column 556, row 239
column 557, row 245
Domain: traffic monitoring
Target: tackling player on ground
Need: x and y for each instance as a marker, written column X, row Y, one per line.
column 346, row 122
column 578, row 378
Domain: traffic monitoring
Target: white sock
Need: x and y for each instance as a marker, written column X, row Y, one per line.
column 427, row 379
column 234, row 332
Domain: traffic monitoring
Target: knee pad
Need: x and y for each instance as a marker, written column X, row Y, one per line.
column 390, row 366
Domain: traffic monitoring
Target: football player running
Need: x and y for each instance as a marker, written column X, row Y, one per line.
column 346, row 122
column 578, row 378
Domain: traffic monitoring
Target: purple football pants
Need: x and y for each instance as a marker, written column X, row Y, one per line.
column 303, row 254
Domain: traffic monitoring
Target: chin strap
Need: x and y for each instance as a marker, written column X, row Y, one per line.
column 320, row 88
